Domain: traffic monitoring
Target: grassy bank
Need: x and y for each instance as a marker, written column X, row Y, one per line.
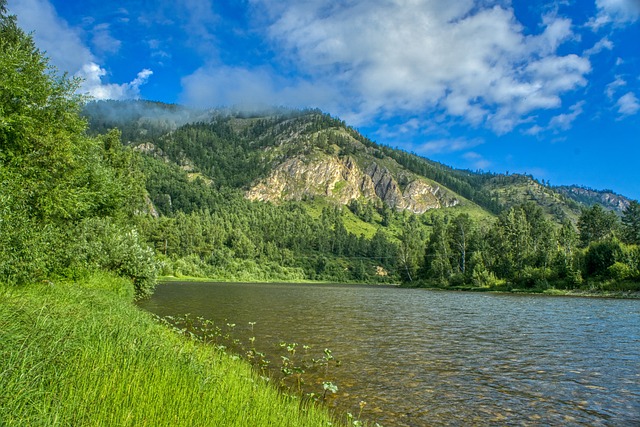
column 83, row 354
column 601, row 289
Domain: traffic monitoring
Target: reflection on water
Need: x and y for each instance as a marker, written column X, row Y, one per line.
column 421, row 358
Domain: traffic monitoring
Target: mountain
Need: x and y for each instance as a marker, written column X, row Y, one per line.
column 280, row 155
column 298, row 195
column 589, row 197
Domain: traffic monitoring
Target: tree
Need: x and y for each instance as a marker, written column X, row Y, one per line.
column 596, row 224
column 512, row 242
column 437, row 265
column 631, row 223
column 602, row 255
column 41, row 132
column 411, row 247
column 53, row 177
column 459, row 232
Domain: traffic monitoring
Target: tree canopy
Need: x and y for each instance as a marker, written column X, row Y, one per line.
column 53, row 177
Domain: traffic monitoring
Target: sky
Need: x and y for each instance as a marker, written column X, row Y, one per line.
column 547, row 88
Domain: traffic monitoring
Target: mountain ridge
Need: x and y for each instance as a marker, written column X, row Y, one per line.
column 280, row 154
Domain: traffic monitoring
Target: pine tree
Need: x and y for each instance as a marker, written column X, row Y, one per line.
column 631, row 223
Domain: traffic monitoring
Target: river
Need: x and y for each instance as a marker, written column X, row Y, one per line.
column 429, row 358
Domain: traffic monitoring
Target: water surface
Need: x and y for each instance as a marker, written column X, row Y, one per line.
column 424, row 358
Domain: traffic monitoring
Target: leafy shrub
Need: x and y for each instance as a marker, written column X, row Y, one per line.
column 619, row 271
column 532, row 277
column 600, row 256
column 98, row 243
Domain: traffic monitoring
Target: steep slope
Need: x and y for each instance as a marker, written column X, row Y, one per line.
column 589, row 197
column 516, row 189
column 347, row 177
column 281, row 155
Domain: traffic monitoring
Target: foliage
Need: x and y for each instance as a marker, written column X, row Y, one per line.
column 76, row 355
column 55, row 181
column 100, row 244
column 596, row 224
column 631, row 223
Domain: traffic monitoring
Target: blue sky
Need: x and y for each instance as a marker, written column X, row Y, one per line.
column 550, row 88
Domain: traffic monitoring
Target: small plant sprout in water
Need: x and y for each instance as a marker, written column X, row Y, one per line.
column 291, row 348
column 362, row 404
column 330, row 387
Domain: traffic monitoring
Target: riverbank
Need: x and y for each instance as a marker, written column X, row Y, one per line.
column 630, row 292
column 627, row 292
column 83, row 354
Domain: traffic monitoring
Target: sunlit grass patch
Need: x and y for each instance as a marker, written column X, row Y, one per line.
column 77, row 356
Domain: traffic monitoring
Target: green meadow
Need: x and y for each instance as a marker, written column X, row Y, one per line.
column 82, row 354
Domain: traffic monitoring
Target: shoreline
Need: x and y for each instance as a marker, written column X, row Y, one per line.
column 578, row 293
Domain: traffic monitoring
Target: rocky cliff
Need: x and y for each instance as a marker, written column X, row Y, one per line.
column 589, row 197
column 343, row 180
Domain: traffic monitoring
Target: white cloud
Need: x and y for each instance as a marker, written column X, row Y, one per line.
column 93, row 86
column 63, row 44
column 67, row 51
column 448, row 145
column 467, row 59
column 614, row 86
column 477, row 160
column 617, row 12
column 628, row 104
column 600, row 45
column 534, row 130
column 249, row 88
column 565, row 121
column 104, row 41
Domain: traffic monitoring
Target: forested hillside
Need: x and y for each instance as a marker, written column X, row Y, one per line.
column 317, row 217
column 273, row 195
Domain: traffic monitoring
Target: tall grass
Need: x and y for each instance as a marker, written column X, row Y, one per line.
column 85, row 356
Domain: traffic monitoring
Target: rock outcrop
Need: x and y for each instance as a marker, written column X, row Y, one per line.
column 342, row 180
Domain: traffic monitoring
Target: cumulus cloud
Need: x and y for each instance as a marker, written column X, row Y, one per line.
column 471, row 60
column 66, row 50
column 628, row 104
column 92, row 85
column 617, row 12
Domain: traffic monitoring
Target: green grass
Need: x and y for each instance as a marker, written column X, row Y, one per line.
column 86, row 356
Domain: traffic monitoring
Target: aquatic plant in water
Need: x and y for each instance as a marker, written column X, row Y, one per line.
column 298, row 372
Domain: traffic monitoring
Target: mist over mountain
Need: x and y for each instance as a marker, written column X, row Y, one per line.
column 278, row 154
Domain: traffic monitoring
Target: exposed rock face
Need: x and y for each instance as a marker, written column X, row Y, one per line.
column 588, row 196
column 296, row 179
column 386, row 187
column 342, row 180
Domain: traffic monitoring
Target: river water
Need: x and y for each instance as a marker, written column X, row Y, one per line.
column 429, row 358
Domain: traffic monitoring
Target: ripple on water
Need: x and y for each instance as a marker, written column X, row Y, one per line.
column 437, row 358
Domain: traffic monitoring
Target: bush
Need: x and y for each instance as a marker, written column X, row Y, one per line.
column 98, row 243
column 532, row 277
column 600, row 256
column 481, row 277
column 619, row 271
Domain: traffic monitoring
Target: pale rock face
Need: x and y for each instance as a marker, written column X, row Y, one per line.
column 386, row 187
column 330, row 177
column 342, row 180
